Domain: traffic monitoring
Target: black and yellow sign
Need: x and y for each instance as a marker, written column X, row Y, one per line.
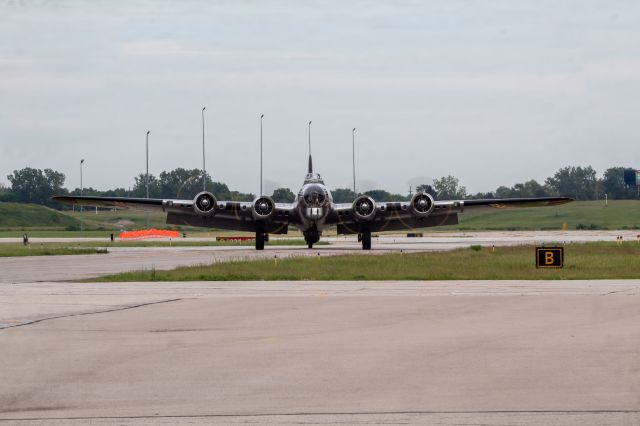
column 549, row 257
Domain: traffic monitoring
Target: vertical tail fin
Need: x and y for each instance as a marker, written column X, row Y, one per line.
column 310, row 168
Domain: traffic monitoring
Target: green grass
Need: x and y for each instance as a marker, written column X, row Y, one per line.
column 582, row 261
column 174, row 243
column 623, row 214
column 16, row 250
column 18, row 216
column 52, row 233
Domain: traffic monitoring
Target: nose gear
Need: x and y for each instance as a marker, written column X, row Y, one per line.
column 311, row 236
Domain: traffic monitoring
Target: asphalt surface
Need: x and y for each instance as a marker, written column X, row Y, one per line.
column 451, row 352
column 473, row 352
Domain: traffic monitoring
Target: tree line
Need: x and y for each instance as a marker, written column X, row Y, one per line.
column 37, row 186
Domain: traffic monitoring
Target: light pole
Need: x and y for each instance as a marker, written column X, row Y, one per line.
column 204, row 173
column 146, row 215
column 81, row 187
column 81, row 190
column 146, row 179
column 353, row 149
column 261, row 117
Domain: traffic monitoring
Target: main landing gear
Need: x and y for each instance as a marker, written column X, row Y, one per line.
column 365, row 239
column 261, row 238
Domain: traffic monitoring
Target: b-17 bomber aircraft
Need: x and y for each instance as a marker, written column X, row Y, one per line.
column 312, row 212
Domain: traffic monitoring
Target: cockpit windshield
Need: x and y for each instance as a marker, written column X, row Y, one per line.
column 313, row 178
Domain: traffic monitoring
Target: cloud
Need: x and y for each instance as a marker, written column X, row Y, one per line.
column 15, row 61
column 161, row 48
column 42, row 81
column 335, row 79
column 614, row 69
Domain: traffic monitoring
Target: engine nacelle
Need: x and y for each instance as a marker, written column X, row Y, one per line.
column 263, row 208
column 364, row 208
column 422, row 204
column 205, row 204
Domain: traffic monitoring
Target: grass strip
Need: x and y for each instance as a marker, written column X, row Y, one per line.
column 582, row 261
column 162, row 243
column 14, row 250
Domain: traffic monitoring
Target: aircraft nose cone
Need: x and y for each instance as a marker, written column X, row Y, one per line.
column 263, row 206
column 204, row 201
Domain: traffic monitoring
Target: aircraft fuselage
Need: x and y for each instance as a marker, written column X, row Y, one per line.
column 314, row 204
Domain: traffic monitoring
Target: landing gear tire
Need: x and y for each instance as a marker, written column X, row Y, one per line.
column 311, row 238
column 260, row 239
column 366, row 241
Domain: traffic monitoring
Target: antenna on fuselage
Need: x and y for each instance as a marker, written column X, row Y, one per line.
column 310, row 169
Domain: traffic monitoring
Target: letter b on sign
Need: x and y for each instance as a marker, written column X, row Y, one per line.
column 549, row 257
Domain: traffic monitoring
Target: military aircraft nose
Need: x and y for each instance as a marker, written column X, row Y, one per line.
column 314, row 195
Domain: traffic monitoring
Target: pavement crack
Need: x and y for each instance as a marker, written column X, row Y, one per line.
column 617, row 291
column 121, row 308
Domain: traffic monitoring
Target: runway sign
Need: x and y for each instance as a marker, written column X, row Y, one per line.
column 632, row 177
column 549, row 257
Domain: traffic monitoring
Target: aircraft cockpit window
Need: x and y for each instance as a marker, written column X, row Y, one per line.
column 313, row 178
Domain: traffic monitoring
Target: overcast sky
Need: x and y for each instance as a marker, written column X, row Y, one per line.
column 493, row 92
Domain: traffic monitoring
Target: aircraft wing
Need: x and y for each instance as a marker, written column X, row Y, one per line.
column 394, row 216
column 231, row 215
column 146, row 204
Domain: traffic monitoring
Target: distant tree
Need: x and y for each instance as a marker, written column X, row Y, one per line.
column 503, row 192
column 118, row 192
column 5, row 193
column 87, row 191
column 181, row 183
column 30, row 185
column 449, row 188
column 238, row 196
column 523, row 190
column 283, row 195
column 482, row 196
column 221, row 191
column 532, row 188
column 427, row 189
column 384, row 196
column 342, row 195
column 612, row 184
column 140, row 186
column 578, row 182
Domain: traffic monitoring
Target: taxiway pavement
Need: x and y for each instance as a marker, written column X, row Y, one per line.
column 508, row 352
column 450, row 352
